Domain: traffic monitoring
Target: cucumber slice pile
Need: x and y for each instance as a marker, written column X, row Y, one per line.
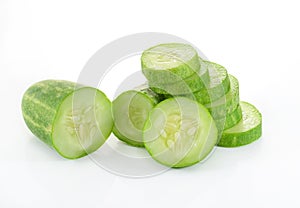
column 188, row 106
column 74, row 120
column 130, row 112
column 179, row 132
column 246, row 131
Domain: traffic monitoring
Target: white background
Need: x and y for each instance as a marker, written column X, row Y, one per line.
column 257, row 41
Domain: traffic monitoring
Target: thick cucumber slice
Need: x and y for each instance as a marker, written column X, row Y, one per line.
column 130, row 112
column 231, row 119
column 179, row 132
column 226, row 104
column 188, row 85
column 246, row 131
column 73, row 119
column 171, row 62
column 218, row 86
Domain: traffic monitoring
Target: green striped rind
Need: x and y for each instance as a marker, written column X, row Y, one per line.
column 188, row 85
column 218, row 86
column 248, row 130
column 228, row 103
column 40, row 104
column 231, row 119
column 164, row 63
column 151, row 96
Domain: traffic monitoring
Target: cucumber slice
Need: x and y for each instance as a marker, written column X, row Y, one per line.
column 188, row 85
column 226, row 104
column 231, row 119
column 75, row 120
column 179, row 132
column 170, row 62
column 130, row 112
column 218, row 86
column 246, row 131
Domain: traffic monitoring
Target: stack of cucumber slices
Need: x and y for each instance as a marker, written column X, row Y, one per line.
column 188, row 106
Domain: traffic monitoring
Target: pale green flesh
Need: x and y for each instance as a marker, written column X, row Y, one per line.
column 246, row 131
column 251, row 119
column 167, row 56
column 179, row 132
column 82, row 123
column 230, row 120
column 167, row 63
column 130, row 111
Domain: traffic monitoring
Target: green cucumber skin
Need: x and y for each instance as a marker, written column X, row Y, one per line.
column 153, row 97
column 236, row 140
column 227, row 107
column 172, row 74
column 230, row 120
column 40, row 104
column 211, row 92
column 242, row 138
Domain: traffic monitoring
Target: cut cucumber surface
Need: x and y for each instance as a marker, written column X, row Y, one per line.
column 75, row 120
column 188, row 85
column 130, row 112
column 226, row 104
column 179, row 132
column 246, row 131
column 231, row 119
column 218, row 86
column 171, row 62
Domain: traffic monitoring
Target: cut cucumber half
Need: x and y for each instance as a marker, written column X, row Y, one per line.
column 188, row 85
column 73, row 119
column 218, row 86
column 170, row 62
column 226, row 104
column 130, row 112
column 231, row 119
column 179, row 132
column 246, row 131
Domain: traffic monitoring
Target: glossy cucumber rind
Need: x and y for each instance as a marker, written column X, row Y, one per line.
column 226, row 104
column 231, row 119
column 248, row 130
column 42, row 107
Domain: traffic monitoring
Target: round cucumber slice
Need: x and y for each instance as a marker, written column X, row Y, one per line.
column 75, row 120
column 179, row 132
column 246, row 131
column 188, row 85
column 226, row 104
column 130, row 112
column 170, row 62
column 231, row 119
column 218, row 86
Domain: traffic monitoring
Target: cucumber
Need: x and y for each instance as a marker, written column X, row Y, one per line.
column 170, row 62
column 218, row 86
column 179, row 132
column 130, row 112
column 73, row 119
column 246, row 131
column 188, row 85
column 230, row 120
column 226, row 104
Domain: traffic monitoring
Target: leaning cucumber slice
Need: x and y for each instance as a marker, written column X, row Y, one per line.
column 75, row 120
column 218, row 86
column 246, row 131
column 171, row 62
column 179, row 132
column 130, row 111
column 231, row 119
column 188, row 85
column 226, row 104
